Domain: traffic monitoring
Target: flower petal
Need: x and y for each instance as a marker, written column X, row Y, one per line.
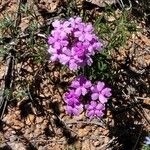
column 102, row 99
column 99, row 113
column 56, row 24
column 78, row 91
column 106, row 92
column 90, row 113
column 84, row 91
column 100, row 86
column 75, row 84
column 87, row 84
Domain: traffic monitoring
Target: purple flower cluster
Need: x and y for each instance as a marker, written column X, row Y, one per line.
column 81, row 90
column 72, row 43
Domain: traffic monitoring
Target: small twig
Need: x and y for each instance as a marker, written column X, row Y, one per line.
column 121, row 3
column 87, row 122
column 7, row 84
column 41, row 35
column 64, row 124
column 18, row 15
column 139, row 108
column 106, row 145
column 35, row 34
column 49, row 140
column 147, row 98
column 134, row 148
column 143, row 113
column 30, row 96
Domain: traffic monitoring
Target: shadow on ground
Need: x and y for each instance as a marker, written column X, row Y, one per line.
column 130, row 120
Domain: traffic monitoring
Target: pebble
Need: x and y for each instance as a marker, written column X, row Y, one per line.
column 106, row 139
column 27, row 132
column 13, row 132
column 105, row 132
column 86, row 145
column 39, row 120
column 30, row 119
column 78, row 145
column 37, row 132
column 97, row 132
column 12, row 138
column 3, row 146
column 83, row 132
column 16, row 146
column 17, row 113
column 42, row 148
column 97, row 143
column 17, row 127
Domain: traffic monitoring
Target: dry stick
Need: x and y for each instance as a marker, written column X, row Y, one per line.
column 87, row 122
column 146, row 98
column 144, row 114
column 30, row 96
column 139, row 108
column 134, row 148
column 9, row 72
column 106, row 145
column 18, row 16
column 7, row 84
column 63, row 141
column 35, row 34
column 122, row 5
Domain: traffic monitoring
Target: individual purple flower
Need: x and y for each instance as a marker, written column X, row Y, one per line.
column 81, row 85
column 74, row 110
column 95, row 109
column 73, row 42
column 74, row 107
column 147, row 140
column 100, row 92
column 71, row 98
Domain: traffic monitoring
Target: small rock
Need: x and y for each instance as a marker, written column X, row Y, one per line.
column 86, row 145
column 42, row 148
column 30, row 119
column 96, row 132
column 4, row 146
column 78, row 145
column 44, row 124
column 13, row 132
column 37, row 132
column 27, row 132
column 102, row 3
column 30, row 136
column 12, row 138
column 59, row 131
column 62, row 109
column 38, row 126
column 83, row 132
column 39, row 119
column 17, row 112
column 16, row 146
column 105, row 132
column 106, row 140
column 18, row 125
column 97, row 143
